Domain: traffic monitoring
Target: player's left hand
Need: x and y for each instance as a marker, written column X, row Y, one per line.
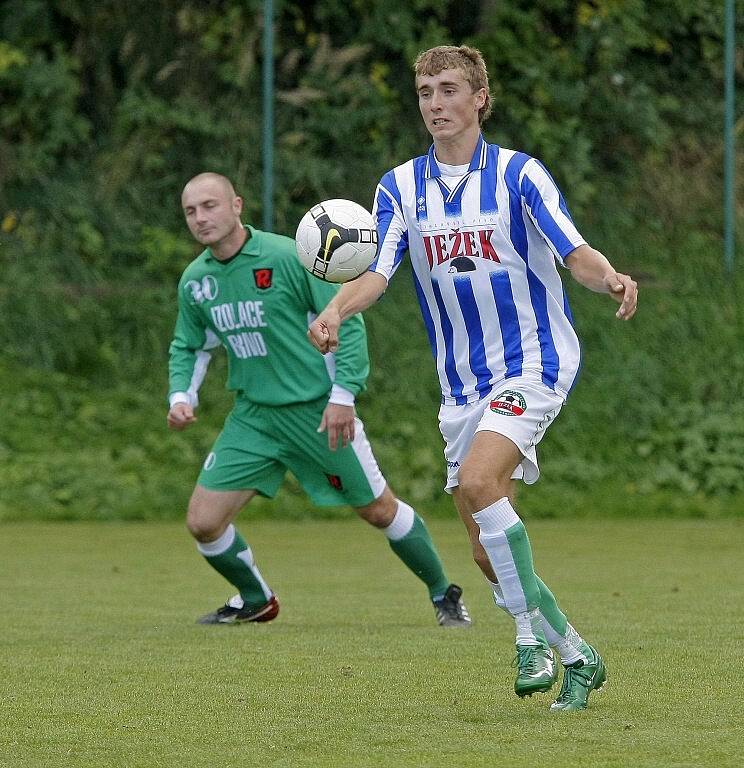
column 624, row 290
column 338, row 421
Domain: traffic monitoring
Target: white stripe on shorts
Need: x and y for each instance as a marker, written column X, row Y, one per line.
column 363, row 451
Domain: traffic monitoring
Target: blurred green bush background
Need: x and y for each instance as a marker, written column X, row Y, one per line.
column 107, row 109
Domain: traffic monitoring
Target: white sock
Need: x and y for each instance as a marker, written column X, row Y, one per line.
column 527, row 623
column 218, row 546
column 402, row 522
column 571, row 647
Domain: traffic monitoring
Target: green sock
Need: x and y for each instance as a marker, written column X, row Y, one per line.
column 232, row 558
column 416, row 549
column 549, row 609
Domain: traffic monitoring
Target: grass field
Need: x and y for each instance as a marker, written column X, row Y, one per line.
column 103, row 665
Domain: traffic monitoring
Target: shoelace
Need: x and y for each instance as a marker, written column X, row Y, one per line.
column 526, row 659
column 568, row 679
column 563, row 696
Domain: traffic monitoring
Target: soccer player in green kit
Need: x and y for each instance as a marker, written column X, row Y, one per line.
column 294, row 409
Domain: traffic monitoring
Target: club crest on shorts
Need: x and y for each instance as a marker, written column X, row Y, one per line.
column 210, row 461
column 509, row 403
column 262, row 278
column 335, row 482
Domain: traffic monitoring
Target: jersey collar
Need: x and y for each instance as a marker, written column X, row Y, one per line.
column 477, row 161
column 251, row 247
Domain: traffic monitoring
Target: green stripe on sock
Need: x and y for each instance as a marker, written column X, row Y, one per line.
column 550, row 610
column 521, row 552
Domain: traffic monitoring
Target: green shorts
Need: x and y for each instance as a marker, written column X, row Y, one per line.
column 259, row 443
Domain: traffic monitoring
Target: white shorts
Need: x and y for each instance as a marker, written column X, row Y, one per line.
column 520, row 408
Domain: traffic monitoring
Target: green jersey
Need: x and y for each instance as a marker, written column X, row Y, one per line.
column 258, row 306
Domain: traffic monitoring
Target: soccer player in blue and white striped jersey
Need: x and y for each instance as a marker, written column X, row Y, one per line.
column 484, row 227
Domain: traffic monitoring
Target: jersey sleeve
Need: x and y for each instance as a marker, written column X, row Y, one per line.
column 548, row 210
column 188, row 353
column 392, row 231
column 349, row 366
column 352, row 358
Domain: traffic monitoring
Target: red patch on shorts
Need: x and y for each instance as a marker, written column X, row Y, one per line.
column 335, row 482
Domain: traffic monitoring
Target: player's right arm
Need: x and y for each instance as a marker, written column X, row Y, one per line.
column 187, row 361
column 359, row 294
column 353, row 297
column 180, row 416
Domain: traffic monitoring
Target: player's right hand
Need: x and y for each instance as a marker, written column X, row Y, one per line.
column 180, row 416
column 323, row 331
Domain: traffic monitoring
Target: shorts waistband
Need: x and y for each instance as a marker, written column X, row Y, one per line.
column 476, row 397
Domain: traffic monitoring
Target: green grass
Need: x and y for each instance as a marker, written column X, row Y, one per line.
column 103, row 665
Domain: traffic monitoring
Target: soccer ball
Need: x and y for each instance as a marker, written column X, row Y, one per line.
column 336, row 240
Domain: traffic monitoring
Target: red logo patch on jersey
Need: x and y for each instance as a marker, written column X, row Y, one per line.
column 335, row 482
column 262, row 278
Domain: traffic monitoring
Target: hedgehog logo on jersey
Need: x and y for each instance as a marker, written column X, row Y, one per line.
column 461, row 264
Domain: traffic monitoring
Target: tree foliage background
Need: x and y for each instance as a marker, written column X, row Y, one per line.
column 106, row 109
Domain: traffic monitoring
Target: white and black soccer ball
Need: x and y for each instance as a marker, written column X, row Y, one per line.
column 336, row 240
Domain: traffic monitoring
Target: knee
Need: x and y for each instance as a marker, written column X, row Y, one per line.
column 470, row 485
column 479, row 488
column 381, row 511
column 201, row 525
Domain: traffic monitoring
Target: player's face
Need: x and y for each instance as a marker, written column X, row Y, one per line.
column 448, row 104
column 212, row 213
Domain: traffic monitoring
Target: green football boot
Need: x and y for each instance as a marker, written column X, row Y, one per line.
column 579, row 680
column 536, row 670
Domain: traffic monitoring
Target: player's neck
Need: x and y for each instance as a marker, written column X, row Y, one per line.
column 230, row 246
column 456, row 151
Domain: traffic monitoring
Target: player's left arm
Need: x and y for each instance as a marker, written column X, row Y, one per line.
column 351, row 372
column 548, row 210
column 349, row 366
column 592, row 269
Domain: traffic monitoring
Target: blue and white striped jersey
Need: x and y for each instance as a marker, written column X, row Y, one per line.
column 483, row 254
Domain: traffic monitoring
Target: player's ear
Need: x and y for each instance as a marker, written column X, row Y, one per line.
column 238, row 205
